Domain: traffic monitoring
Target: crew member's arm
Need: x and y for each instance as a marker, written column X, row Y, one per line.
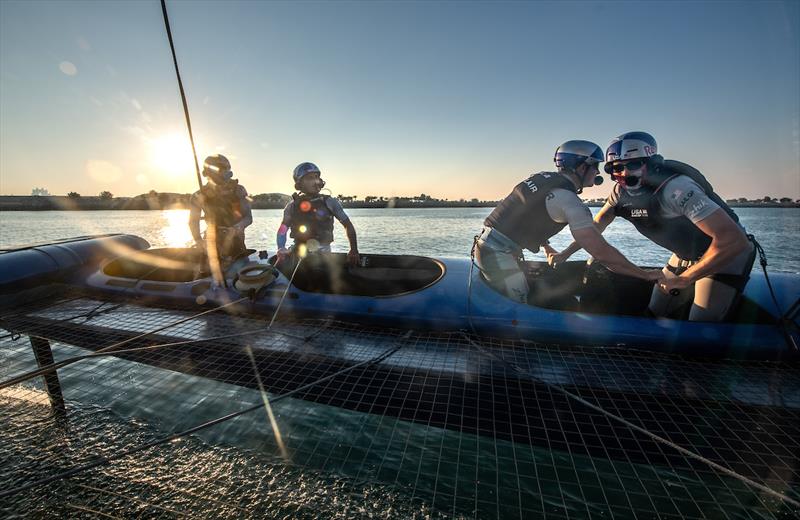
column 247, row 212
column 352, row 255
column 602, row 220
column 593, row 242
column 280, row 238
column 728, row 240
column 338, row 211
column 194, row 220
column 565, row 207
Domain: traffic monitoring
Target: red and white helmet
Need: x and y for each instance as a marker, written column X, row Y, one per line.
column 630, row 145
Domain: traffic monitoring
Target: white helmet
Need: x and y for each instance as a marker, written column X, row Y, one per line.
column 303, row 168
column 218, row 168
column 572, row 154
column 630, row 145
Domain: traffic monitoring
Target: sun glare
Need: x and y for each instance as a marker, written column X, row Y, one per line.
column 172, row 154
column 175, row 232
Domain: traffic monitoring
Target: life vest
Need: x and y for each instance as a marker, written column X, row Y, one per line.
column 522, row 216
column 311, row 219
column 222, row 208
column 643, row 210
column 222, row 204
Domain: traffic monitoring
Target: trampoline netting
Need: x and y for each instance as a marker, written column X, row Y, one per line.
column 168, row 412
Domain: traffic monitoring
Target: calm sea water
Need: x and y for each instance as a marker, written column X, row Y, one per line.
column 429, row 232
column 223, row 471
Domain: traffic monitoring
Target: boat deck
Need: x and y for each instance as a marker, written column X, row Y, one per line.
column 511, row 428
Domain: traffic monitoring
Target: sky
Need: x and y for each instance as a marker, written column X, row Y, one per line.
column 451, row 99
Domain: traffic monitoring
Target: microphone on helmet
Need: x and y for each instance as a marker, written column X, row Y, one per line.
column 598, row 180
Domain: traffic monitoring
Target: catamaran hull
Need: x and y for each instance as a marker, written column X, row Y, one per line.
column 450, row 295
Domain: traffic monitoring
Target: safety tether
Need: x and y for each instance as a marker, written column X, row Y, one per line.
column 784, row 321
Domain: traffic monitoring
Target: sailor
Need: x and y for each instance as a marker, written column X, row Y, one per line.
column 225, row 205
column 309, row 217
column 538, row 208
column 673, row 204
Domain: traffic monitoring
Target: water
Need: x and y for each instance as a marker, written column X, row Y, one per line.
column 344, row 464
column 428, row 232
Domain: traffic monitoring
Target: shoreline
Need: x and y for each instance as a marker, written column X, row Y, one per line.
column 165, row 201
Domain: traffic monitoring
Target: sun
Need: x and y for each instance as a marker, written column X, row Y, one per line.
column 172, row 154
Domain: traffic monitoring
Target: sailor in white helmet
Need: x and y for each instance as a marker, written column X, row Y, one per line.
column 538, row 208
column 308, row 217
column 675, row 206
column 223, row 202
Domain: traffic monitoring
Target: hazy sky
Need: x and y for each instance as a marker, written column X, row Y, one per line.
column 453, row 99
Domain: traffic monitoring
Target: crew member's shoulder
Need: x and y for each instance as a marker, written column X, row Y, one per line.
column 241, row 190
column 681, row 187
column 332, row 201
column 563, row 195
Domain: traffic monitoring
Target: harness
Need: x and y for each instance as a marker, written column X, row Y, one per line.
column 643, row 210
column 222, row 204
column 522, row 216
column 311, row 219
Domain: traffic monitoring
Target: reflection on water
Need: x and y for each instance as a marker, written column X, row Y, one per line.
column 175, row 231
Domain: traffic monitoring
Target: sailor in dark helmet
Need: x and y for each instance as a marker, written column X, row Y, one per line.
column 673, row 204
column 309, row 216
column 538, row 208
column 223, row 203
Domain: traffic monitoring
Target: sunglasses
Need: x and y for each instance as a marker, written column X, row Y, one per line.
column 630, row 166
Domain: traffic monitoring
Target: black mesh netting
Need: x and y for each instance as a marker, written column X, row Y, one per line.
column 364, row 422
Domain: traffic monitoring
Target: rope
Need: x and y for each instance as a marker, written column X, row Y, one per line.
column 657, row 438
column 288, row 285
column 783, row 321
column 106, row 460
column 469, row 281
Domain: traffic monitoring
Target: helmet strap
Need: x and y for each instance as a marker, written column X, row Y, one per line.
column 575, row 177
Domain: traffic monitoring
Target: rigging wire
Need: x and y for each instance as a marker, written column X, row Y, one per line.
column 214, row 254
column 183, row 94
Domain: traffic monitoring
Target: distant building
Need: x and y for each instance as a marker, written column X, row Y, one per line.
column 40, row 192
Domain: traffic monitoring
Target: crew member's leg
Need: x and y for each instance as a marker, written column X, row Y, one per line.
column 716, row 295
column 499, row 264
